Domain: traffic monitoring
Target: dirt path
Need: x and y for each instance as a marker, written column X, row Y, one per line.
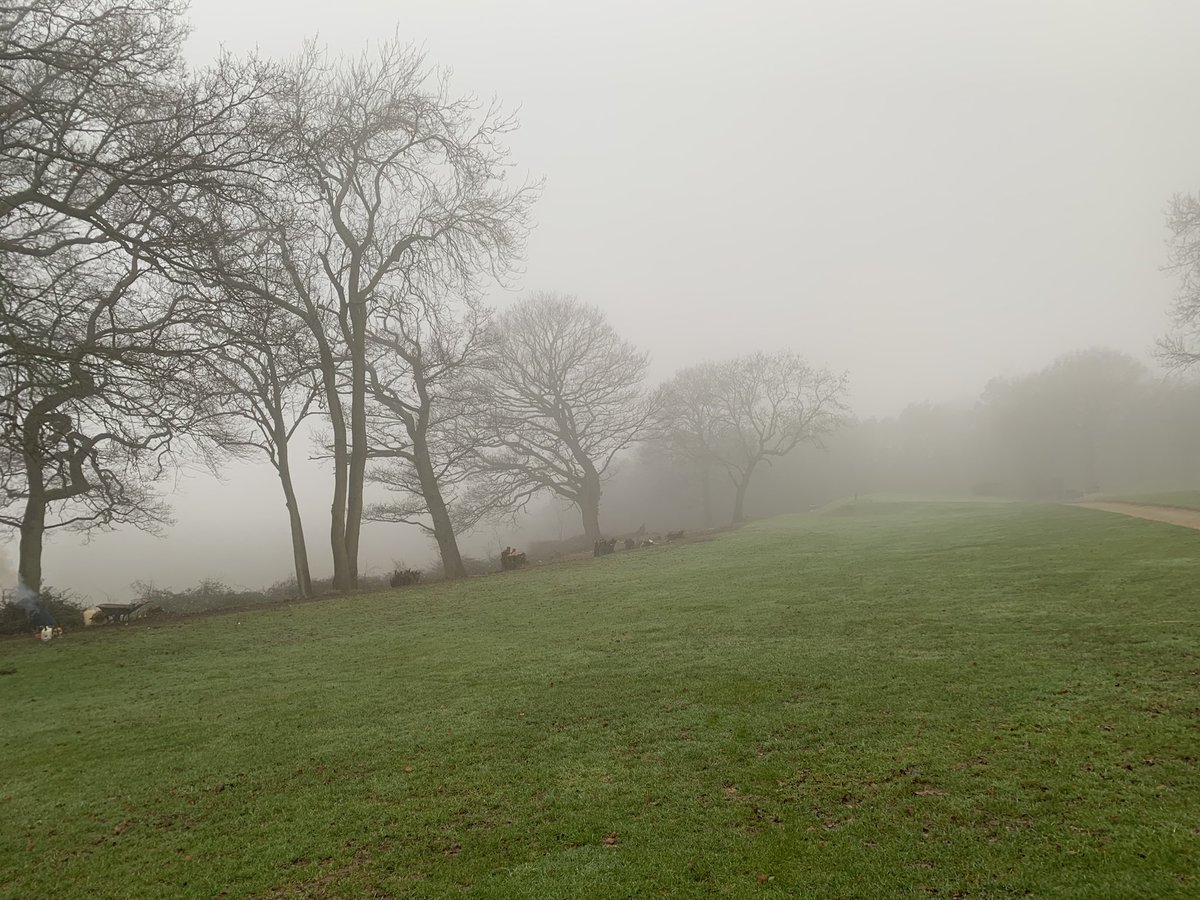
column 1172, row 515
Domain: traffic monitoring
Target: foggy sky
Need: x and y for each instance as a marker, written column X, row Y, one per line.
column 925, row 194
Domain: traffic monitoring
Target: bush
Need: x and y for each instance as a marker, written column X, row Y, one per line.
column 471, row 564
column 549, row 551
column 61, row 604
column 207, row 595
column 404, row 578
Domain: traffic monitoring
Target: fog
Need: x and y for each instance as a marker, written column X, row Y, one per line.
column 925, row 195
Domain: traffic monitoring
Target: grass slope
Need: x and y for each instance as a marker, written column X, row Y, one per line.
column 890, row 700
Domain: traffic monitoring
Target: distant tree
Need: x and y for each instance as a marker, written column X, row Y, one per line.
column 563, row 396
column 1059, row 429
column 688, row 425
column 747, row 411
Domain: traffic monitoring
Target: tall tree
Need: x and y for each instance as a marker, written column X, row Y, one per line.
column 107, row 137
column 394, row 188
column 564, row 395
column 98, row 387
column 744, row 412
column 109, row 146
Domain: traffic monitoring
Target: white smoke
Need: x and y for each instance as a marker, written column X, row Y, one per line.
column 26, row 598
column 8, row 574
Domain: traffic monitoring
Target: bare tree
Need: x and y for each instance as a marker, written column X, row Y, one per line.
column 98, row 388
column 746, row 411
column 106, row 136
column 1181, row 349
column 422, row 355
column 270, row 381
column 395, row 188
column 109, row 144
column 564, row 396
column 1056, row 430
column 688, row 427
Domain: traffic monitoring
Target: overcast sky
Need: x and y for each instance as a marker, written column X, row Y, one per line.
column 925, row 194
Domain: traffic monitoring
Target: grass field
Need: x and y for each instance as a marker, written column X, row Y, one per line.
column 1180, row 499
column 889, row 700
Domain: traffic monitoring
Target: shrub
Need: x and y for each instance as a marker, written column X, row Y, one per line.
column 61, row 604
column 404, row 577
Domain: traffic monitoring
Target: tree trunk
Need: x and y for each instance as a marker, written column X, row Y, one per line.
column 443, row 529
column 337, row 421
column 358, row 432
column 337, row 520
column 706, row 493
column 589, row 506
column 299, row 549
column 33, row 530
column 739, row 501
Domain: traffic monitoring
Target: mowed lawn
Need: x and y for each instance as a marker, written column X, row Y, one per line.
column 893, row 699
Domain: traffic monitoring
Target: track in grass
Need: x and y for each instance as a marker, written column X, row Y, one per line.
column 1184, row 517
column 887, row 700
column 1172, row 499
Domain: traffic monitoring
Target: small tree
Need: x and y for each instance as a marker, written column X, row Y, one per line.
column 563, row 396
column 688, row 427
column 423, row 354
column 268, row 376
column 744, row 412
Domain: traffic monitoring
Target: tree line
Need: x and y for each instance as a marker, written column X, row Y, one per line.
column 203, row 262
column 1093, row 422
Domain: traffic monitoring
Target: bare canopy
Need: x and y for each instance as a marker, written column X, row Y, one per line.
column 564, row 395
column 746, row 411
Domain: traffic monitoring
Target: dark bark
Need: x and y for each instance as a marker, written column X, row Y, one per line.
column 416, row 421
column 358, row 431
column 443, row 529
column 741, row 483
column 33, row 530
column 299, row 548
column 342, row 579
column 589, row 505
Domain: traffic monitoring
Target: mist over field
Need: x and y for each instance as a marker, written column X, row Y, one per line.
column 544, row 449
column 926, row 197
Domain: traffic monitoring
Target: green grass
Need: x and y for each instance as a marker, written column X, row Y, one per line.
column 979, row 700
column 1180, row 499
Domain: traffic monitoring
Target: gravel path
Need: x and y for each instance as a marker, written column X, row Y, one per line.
column 1173, row 515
